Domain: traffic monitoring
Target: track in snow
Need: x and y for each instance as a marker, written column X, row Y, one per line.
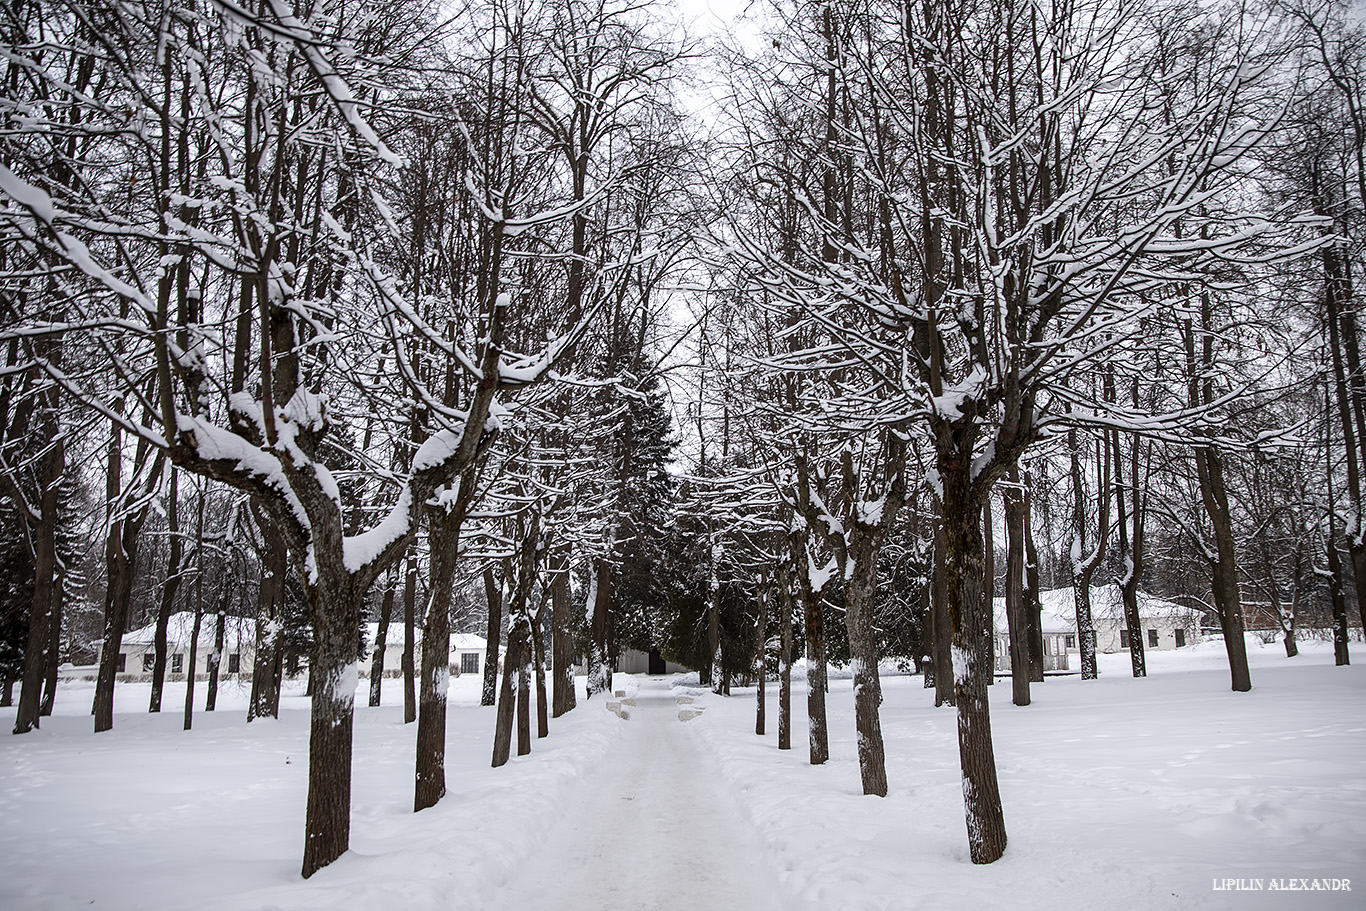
column 651, row 830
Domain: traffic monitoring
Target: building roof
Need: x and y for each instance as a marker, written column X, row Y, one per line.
column 1107, row 603
column 460, row 642
column 237, row 632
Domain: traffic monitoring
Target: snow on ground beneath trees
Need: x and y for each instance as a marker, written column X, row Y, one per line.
column 1118, row 793
column 149, row 816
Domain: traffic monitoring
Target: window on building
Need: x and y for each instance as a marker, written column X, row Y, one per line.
column 1071, row 642
column 122, row 664
column 1124, row 638
column 1152, row 638
column 469, row 663
column 177, row 663
column 1180, row 638
column 234, row 663
column 149, row 661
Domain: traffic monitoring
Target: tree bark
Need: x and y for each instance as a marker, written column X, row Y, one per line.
column 443, row 541
column 859, row 595
column 168, row 591
column 502, row 731
column 266, row 667
column 988, row 580
column 970, row 623
column 600, row 661
column 1033, row 601
column 538, row 665
column 1224, row 579
column 54, row 638
column 761, row 652
column 563, row 696
column 410, row 642
column 335, row 607
column 1017, row 619
column 386, row 613
column 1131, row 550
column 493, row 595
column 785, row 608
column 942, row 641
column 216, row 656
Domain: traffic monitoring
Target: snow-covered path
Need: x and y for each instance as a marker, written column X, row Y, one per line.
column 653, row 828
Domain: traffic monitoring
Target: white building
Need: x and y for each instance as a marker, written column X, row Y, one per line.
column 137, row 651
column 467, row 651
column 1165, row 624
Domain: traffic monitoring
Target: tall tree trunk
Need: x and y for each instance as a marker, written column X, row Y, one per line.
column 1224, row 579
column 1032, row 599
column 813, row 616
column 168, row 591
column 785, row 608
column 216, row 656
column 761, row 650
column 561, row 639
column 942, row 641
column 988, row 580
column 335, row 608
column 386, row 613
column 524, row 705
column 970, row 623
column 410, row 642
column 1131, row 553
column 54, row 638
column 718, row 674
column 600, row 662
column 443, row 545
column 1342, row 325
column 859, row 599
column 1085, row 560
column 538, row 669
column 1341, row 656
column 493, row 595
column 198, row 611
column 51, row 465
column 507, row 694
column 266, row 664
column 1017, row 610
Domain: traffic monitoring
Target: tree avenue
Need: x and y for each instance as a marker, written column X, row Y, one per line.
column 299, row 297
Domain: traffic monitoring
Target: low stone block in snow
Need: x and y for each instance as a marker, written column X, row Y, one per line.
column 688, row 714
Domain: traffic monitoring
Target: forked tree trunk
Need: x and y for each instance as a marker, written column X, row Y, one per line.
column 859, row 595
column 1017, row 619
column 386, row 613
column 168, row 592
column 970, row 623
column 120, row 552
column 493, row 596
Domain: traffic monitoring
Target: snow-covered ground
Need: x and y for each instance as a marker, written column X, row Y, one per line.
column 1119, row 794
column 148, row 816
